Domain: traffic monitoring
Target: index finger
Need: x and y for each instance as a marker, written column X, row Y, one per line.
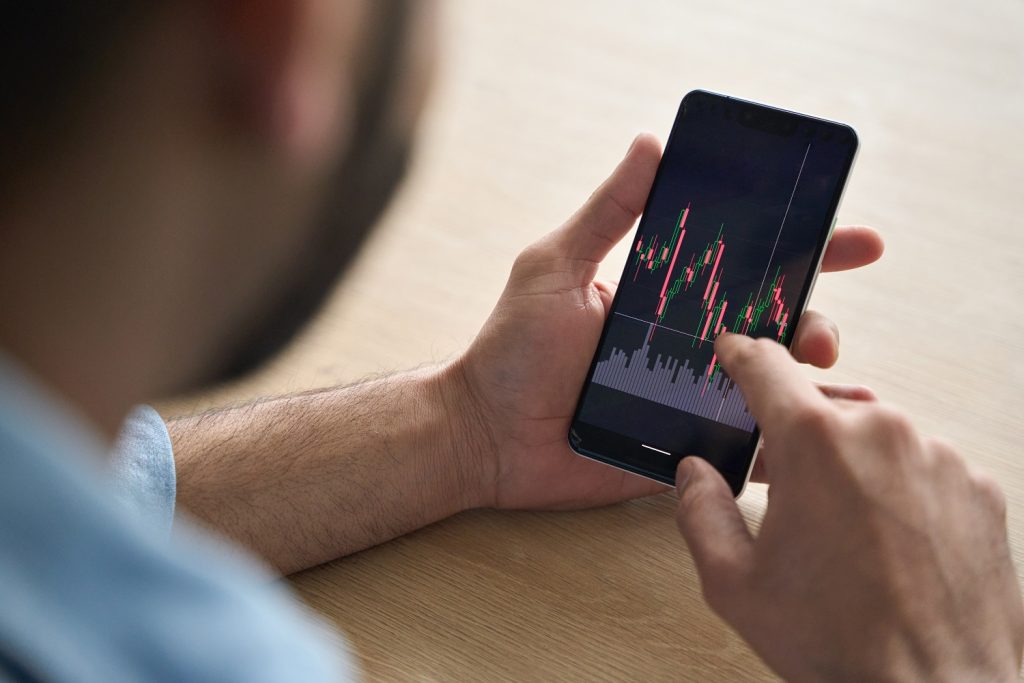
column 768, row 377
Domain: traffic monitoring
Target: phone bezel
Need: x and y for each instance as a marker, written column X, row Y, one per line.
column 631, row 454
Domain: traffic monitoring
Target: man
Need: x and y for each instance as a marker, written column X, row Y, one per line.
column 182, row 183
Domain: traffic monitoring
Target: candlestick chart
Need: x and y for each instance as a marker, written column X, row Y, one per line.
column 749, row 315
column 687, row 284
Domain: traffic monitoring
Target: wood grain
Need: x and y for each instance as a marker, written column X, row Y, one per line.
column 535, row 102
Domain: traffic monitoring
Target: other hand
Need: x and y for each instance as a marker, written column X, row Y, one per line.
column 882, row 555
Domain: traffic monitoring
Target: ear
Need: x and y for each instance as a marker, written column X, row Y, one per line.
column 290, row 69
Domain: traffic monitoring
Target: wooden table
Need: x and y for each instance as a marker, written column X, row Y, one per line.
column 534, row 104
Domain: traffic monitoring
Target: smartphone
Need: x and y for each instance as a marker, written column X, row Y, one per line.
column 731, row 239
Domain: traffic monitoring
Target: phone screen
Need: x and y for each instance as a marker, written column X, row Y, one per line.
column 730, row 240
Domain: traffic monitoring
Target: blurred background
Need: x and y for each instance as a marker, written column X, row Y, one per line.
column 534, row 103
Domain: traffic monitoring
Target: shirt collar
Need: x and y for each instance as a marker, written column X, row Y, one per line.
column 30, row 408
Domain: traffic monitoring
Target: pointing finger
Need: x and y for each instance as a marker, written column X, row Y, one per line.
column 768, row 377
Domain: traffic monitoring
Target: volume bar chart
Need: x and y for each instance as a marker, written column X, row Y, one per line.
column 705, row 393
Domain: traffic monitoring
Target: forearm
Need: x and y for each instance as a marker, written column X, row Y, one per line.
column 307, row 478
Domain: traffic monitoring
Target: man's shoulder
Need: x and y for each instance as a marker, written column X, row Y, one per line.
column 91, row 593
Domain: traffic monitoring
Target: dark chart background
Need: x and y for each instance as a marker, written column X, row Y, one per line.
column 728, row 242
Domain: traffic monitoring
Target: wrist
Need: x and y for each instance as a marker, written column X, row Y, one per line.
column 467, row 440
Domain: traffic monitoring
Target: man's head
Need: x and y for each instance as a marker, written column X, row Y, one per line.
column 186, row 181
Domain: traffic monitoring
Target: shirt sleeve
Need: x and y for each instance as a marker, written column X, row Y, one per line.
column 142, row 465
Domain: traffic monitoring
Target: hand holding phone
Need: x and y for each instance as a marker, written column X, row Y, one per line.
column 517, row 384
column 882, row 554
column 731, row 239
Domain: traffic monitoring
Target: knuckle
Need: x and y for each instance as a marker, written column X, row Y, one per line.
column 944, row 454
column 813, row 420
column 990, row 491
column 752, row 353
column 529, row 256
column 745, row 356
column 892, row 423
column 765, row 346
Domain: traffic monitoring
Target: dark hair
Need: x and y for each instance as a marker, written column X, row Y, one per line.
column 50, row 53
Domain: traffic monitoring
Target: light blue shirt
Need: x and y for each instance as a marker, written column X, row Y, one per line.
column 94, row 588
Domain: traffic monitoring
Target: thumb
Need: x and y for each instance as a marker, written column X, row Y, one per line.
column 613, row 208
column 714, row 530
